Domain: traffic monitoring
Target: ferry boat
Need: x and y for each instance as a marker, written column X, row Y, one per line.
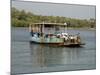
column 51, row 34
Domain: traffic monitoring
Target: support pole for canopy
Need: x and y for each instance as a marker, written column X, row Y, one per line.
column 66, row 26
column 30, row 28
column 43, row 30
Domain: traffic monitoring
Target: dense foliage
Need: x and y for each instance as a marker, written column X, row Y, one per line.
column 23, row 19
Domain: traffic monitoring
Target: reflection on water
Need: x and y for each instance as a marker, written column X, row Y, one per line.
column 44, row 56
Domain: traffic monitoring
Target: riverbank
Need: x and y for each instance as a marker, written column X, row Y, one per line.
column 81, row 28
column 70, row 28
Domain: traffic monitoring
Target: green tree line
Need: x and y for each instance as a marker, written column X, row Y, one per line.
column 23, row 19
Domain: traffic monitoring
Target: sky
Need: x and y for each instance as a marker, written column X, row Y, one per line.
column 54, row 9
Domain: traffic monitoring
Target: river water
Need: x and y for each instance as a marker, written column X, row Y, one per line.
column 33, row 58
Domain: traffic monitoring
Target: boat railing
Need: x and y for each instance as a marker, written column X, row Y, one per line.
column 74, row 39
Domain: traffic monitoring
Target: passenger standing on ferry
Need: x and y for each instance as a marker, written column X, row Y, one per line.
column 31, row 33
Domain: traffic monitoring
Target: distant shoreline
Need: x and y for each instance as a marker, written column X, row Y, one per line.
column 82, row 28
column 94, row 29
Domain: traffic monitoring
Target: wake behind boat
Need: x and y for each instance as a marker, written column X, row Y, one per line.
column 54, row 36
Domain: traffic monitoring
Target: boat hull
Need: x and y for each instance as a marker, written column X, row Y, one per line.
column 55, row 42
column 58, row 44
